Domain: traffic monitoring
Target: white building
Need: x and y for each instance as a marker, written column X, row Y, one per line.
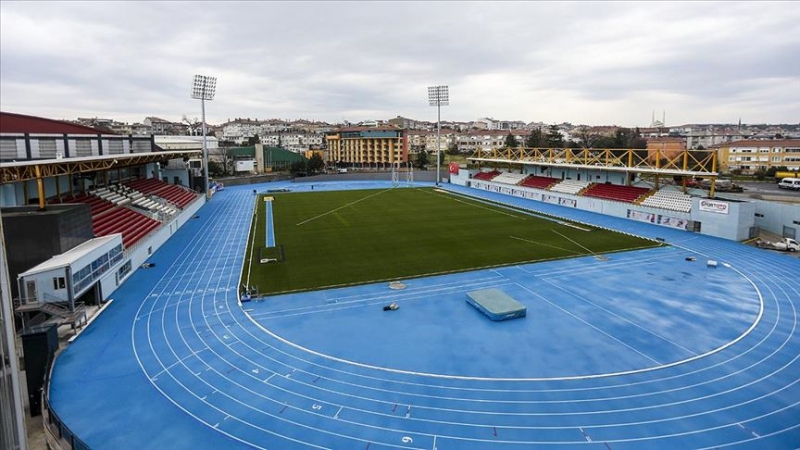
column 297, row 142
column 240, row 130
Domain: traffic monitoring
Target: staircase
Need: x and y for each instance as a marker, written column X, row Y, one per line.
column 50, row 313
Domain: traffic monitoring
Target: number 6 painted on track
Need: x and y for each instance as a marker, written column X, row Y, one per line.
column 407, row 440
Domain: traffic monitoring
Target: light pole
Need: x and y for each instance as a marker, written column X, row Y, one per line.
column 203, row 88
column 438, row 96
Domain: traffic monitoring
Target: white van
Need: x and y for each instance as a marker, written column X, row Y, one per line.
column 790, row 183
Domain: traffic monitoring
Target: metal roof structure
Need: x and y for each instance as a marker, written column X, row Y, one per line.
column 43, row 168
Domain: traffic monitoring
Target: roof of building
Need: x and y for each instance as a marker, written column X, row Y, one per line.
column 70, row 256
column 666, row 139
column 20, row 123
column 154, row 119
column 760, row 143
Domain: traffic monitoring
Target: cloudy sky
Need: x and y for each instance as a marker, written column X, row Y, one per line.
column 584, row 63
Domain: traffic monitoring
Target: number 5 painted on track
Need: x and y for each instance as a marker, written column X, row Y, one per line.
column 316, row 407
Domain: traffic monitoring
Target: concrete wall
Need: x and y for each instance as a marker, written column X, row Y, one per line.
column 779, row 218
column 725, row 218
column 34, row 236
column 142, row 250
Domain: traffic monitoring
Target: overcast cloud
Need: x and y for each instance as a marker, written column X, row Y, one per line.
column 584, row 63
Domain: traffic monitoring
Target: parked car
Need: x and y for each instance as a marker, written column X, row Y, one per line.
column 790, row 183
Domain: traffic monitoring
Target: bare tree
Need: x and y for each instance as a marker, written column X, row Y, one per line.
column 225, row 157
column 587, row 138
column 195, row 126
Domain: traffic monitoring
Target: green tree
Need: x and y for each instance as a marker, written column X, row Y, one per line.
column 511, row 141
column 536, row 139
column 605, row 142
column 298, row 167
column 253, row 140
column 225, row 158
column 452, row 149
column 215, row 169
column 422, row 160
column 315, row 163
column 554, row 137
column 587, row 138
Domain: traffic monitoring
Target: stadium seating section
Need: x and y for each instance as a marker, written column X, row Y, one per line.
column 665, row 198
column 539, row 182
column 134, row 209
column 570, row 186
column 486, row 176
column 616, row 192
column 669, row 199
column 509, row 178
column 177, row 195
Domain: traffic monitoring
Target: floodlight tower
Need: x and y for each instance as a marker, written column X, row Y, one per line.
column 203, row 88
column 438, row 96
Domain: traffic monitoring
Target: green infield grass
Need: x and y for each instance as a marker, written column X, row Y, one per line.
column 339, row 238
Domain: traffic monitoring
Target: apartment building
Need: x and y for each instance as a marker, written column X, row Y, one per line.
column 367, row 146
column 751, row 155
column 240, row 130
column 158, row 125
column 298, row 142
column 487, row 139
column 487, row 123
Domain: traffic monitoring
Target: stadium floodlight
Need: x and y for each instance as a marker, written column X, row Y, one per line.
column 438, row 96
column 203, row 89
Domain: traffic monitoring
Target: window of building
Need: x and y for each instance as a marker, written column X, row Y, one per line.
column 47, row 148
column 59, row 283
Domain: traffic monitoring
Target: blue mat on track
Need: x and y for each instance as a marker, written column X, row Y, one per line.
column 496, row 305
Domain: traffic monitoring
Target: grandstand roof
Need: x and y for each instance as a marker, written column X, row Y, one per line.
column 20, row 123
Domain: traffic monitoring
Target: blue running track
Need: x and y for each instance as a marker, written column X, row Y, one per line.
column 636, row 350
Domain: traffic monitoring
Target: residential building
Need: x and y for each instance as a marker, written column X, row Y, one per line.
column 706, row 136
column 298, row 142
column 158, row 125
column 487, row 139
column 751, row 155
column 402, row 122
column 665, row 147
column 367, row 146
column 240, row 130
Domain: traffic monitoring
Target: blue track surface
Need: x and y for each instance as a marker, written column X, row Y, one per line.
column 642, row 350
